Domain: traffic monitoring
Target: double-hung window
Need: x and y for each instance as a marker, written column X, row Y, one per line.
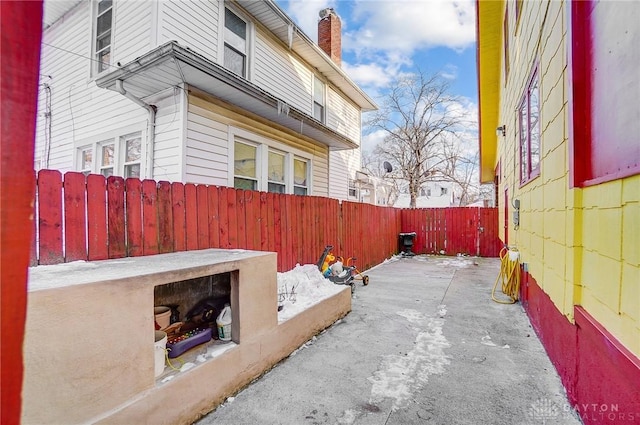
column 235, row 43
column 112, row 156
column 318, row 99
column 102, row 32
column 529, row 123
column 266, row 165
column 276, row 172
column 245, row 165
column 300, row 176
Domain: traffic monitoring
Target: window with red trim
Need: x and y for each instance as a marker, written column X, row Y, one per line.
column 529, row 129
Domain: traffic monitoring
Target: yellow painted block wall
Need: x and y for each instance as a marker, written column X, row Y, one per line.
column 581, row 245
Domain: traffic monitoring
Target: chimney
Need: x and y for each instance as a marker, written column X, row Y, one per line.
column 329, row 34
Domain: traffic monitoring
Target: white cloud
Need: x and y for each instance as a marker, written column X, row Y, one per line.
column 372, row 139
column 305, row 14
column 450, row 72
column 405, row 26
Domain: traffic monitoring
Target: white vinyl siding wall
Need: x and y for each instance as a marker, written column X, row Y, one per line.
column 342, row 116
column 193, row 24
column 206, row 148
column 342, row 167
column 131, row 30
column 279, row 73
column 79, row 109
column 167, row 158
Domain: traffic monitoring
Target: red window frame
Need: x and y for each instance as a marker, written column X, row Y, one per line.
column 529, row 133
column 604, row 139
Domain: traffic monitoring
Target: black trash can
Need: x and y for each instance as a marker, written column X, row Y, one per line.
column 406, row 243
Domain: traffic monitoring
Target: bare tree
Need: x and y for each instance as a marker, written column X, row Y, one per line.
column 418, row 119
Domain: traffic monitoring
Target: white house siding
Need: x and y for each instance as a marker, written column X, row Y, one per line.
column 343, row 116
column 342, row 167
column 208, row 139
column 280, row 73
column 206, row 148
column 131, row 30
column 167, row 158
column 81, row 112
column 192, row 23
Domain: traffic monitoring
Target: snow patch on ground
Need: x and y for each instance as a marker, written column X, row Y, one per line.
column 486, row 340
column 302, row 287
column 457, row 262
column 400, row 376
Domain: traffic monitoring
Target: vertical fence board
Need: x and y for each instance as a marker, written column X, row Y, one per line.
column 264, row 222
column 97, row 217
column 241, row 222
column 150, row 217
column 274, row 199
column 214, row 216
column 254, row 230
column 115, row 217
column 165, row 218
column 232, row 215
column 179, row 217
column 33, row 250
column 75, row 234
column 191, row 214
column 50, row 219
column 223, row 213
column 202, row 209
column 288, row 241
column 133, row 211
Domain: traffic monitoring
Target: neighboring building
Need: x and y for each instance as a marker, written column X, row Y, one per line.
column 230, row 93
column 431, row 195
column 560, row 125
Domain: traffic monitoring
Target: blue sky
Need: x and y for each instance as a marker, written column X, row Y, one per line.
column 383, row 38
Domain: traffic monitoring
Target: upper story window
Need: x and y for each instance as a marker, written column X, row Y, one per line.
column 102, row 32
column 318, row 99
column 529, row 123
column 235, row 43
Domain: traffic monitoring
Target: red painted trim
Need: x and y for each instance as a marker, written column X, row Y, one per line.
column 600, row 375
column 21, row 23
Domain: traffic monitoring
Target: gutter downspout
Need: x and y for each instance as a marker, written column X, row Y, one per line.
column 151, row 136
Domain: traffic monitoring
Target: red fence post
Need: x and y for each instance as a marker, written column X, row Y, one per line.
column 191, row 216
column 97, row 217
column 150, row 217
column 202, row 201
column 75, row 234
column 165, row 218
column 115, row 217
column 179, row 217
column 21, row 23
column 134, row 217
column 50, row 216
column 214, row 217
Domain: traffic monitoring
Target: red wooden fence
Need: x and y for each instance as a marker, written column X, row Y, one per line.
column 96, row 218
column 452, row 231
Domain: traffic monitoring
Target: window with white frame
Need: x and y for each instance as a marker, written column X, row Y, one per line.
column 529, row 123
column 276, row 172
column 112, row 156
column 300, row 176
column 235, row 43
column 318, row 99
column 245, row 166
column 266, row 165
column 353, row 191
column 85, row 158
column 102, row 35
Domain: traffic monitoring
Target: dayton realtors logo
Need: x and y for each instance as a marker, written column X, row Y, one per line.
column 546, row 410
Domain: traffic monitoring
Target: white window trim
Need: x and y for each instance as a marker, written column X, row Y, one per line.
column 323, row 119
column 119, row 152
column 93, row 69
column 263, row 145
column 250, row 37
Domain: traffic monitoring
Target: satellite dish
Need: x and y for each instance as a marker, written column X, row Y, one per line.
column 387, row 167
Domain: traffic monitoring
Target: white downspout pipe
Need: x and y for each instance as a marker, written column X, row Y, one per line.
column 151, row 130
